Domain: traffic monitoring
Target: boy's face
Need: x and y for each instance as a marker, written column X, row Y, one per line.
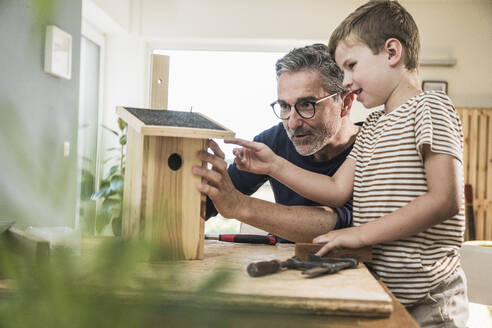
column 365, row 73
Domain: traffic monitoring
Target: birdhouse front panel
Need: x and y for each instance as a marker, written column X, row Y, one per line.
column 173, row 203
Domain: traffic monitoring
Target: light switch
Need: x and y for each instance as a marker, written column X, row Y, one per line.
column 66, row 148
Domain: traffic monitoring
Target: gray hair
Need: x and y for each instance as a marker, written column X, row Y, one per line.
column 314, row 57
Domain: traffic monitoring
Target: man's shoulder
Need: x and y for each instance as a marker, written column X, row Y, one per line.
column 272, row 136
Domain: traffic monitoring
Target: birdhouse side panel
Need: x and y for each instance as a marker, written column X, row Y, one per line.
column 133, row 197
column 193, row 224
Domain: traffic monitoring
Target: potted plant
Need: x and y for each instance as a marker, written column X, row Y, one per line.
column 110, row 189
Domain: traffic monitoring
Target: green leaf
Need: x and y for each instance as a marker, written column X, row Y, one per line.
column 108, row 204
column 107, row 208
column 112, row 158
column 121, row 124
column 87, row 184
column 123, row 140
column 111, row 130
column 102, row 220
column 116, row 225
column 111, row 171
column 217, row 280
column 98, row 194
column 116, row 183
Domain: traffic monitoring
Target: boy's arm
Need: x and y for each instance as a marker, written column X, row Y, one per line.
column 295, row 223
column 332, row 191
column 441, row 202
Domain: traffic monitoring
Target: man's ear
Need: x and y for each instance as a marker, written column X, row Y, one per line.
column 347, row 101
column 394, row 51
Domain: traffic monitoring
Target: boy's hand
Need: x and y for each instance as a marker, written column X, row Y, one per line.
column 254, row 157
column 346, row 238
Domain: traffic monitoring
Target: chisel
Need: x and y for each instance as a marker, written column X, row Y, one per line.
column 244, row 238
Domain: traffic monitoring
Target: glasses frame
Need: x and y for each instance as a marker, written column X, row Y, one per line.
column 313, row 103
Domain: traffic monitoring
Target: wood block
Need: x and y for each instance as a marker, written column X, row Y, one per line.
column 159, row 82
column 363, row 254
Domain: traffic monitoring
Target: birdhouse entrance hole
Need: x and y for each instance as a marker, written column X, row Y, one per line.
column 174, row 162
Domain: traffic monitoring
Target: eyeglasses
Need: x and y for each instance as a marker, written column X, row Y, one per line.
column 305, row 108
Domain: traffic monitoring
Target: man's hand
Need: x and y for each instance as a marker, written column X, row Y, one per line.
column 346, row 238
column 254, row 157
column 226, row 198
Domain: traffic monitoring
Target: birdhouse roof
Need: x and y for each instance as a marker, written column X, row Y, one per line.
column 172, row 123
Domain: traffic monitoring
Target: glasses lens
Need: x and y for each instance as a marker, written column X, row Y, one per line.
column 305, row 109
column 281, row 110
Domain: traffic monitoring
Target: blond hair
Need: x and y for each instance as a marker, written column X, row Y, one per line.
column 377, row 21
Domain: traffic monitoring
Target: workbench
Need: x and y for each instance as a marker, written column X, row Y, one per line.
column 349, row 298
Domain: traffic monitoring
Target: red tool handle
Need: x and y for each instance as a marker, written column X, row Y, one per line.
column 249, row 239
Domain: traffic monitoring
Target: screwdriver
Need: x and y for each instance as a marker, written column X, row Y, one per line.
column 244, row 238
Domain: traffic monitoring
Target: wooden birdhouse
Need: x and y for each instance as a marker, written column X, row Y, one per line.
column 161, row 202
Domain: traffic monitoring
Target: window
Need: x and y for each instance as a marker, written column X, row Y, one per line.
column 233, row 88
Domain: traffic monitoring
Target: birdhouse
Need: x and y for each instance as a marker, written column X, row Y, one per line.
column 161, row 201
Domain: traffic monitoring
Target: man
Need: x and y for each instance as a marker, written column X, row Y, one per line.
column 315, row 133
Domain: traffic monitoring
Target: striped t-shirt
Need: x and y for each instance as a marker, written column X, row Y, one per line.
column 390, row 173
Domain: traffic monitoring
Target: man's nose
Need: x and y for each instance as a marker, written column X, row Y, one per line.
column 295, row 119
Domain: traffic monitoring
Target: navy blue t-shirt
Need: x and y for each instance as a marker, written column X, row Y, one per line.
column 276, row 138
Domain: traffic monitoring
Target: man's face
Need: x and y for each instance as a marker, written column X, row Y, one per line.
column 309, row 136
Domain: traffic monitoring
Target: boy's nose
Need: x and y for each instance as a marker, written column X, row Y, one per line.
column 347, row 80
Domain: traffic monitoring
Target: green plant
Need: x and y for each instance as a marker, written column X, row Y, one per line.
column 111, row 186
column 108, row 285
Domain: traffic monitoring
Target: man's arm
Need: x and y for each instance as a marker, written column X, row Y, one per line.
column 295, row 223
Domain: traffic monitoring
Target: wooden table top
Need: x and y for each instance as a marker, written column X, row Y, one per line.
column 348, row 298
column 284, row 299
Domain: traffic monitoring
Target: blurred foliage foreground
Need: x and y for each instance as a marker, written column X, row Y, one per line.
column 103, row 289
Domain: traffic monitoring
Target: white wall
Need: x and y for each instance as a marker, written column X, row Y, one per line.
column 457, row 29
column 124, row 62
column 119, row 10
column 461, row 30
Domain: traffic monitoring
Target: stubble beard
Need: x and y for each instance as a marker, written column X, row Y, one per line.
column 318, row 138
column 313, row 144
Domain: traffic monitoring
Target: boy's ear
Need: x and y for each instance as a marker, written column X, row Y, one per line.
column 394, row 51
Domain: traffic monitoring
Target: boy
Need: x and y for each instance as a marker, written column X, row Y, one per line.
column 404, row 172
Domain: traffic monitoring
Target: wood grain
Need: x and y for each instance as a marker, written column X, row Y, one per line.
column 134, row 187
column 160, row 203
column 346, row 293
column 220, row 254
column 159, row 82
column 172, row 206
column 363, row 254
column 477, row 134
